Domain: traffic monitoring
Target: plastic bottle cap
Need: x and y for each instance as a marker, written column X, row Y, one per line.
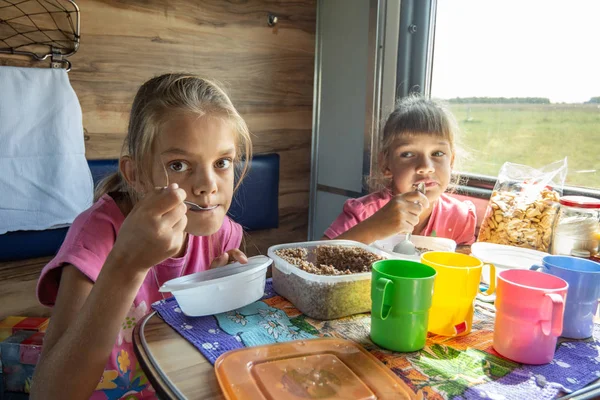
column 580, row 253
column 580, row 202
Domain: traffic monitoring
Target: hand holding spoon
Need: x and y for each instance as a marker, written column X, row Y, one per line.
column 406, row 246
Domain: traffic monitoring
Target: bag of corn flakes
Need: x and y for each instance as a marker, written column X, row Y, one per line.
column 524, row 205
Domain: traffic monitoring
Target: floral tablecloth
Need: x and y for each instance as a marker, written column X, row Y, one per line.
column 465, row 367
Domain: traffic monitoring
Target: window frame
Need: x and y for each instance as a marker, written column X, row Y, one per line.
column 481, row 186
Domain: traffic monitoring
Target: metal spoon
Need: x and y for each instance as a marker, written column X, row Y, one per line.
column 194, row 206
column 406, row 246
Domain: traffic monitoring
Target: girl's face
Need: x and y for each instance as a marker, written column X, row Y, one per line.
column 198, row 154
column 420, row 158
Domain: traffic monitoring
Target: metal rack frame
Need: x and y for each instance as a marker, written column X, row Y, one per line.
column 58, row 55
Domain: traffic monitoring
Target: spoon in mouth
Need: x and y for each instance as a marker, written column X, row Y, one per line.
column 196, row 207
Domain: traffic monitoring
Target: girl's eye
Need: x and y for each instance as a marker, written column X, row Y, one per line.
column 406, row 154
column 178, row 166
column 223, row 163
column 438, row 154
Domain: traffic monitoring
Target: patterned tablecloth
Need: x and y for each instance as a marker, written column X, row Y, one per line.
column 465, row 367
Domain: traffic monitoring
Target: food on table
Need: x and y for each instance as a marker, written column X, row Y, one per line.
column 330, row 260
column 520, row 221
column 421, row 250
column 325, row 279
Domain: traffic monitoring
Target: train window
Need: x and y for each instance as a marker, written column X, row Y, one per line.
column 522, row 79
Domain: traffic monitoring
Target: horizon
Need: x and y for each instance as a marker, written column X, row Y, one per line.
column 520, row 97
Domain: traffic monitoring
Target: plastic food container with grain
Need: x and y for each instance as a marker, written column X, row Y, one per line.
column 322, row 297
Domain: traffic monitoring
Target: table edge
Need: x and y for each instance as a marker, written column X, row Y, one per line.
column 161, row 383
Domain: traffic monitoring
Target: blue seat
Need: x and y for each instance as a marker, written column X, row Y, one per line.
column 102, row 168
column 255, row 206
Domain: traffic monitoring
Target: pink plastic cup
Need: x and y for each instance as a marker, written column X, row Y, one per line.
column 529, row 315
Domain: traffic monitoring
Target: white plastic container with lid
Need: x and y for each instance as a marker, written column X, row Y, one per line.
column 220, row 289
column 323, row 297
column 504, row 257
column 577, row 225
column 423, row 243
column 580, row 253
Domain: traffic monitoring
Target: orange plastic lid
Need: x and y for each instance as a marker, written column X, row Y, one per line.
column 325, row 368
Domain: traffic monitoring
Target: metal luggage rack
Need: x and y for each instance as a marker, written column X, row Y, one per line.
column 40, row 29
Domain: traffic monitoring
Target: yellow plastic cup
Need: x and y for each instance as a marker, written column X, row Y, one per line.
column 455, row 289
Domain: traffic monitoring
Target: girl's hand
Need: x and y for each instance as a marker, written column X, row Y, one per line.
column 229, row 256
column 400, row 214
column 154, row 229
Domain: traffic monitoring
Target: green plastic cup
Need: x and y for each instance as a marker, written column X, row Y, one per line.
column 401, row 294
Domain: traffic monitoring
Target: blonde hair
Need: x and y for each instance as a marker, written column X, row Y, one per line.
column 154, row 102
column 416, row 115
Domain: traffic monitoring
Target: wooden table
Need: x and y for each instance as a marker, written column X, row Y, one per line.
column 176, row 369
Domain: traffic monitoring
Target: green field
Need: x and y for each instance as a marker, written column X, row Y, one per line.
column 531, row 134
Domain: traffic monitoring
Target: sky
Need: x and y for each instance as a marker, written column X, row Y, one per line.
column 517, row 48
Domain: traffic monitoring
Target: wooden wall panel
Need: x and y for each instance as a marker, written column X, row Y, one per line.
column 268, row 72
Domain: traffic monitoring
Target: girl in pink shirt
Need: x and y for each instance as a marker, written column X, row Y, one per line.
column 184, row 141
column 418, row 145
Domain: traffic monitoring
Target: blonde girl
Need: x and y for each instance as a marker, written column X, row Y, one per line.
column 418, row 146
column 184, row 140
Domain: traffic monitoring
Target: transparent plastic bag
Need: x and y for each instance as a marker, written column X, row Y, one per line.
column 524, row 205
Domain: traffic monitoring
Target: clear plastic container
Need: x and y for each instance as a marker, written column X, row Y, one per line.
column 220, row 289
column 323, row 297
column 326, row 368
column 577, row 225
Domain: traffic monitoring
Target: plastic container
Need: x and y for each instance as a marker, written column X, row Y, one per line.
column 220, row 289
column 577, row 225
column 580, row 253
column 326, row 368
column 504, row 257
column 323, row 296
column 424, row 242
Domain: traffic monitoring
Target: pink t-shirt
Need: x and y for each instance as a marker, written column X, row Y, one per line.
column 450, row 218
column 88, row 242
